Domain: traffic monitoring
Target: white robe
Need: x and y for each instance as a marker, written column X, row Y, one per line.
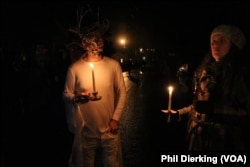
column 95, row 115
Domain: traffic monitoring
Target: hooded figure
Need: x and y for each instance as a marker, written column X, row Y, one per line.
column 219, row 115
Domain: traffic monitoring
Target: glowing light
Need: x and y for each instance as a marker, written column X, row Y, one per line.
column 170, row 91
column 93, row 76
column 123, row 42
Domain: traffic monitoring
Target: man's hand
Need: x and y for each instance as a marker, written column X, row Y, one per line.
column 82, row 98
column 113, row 126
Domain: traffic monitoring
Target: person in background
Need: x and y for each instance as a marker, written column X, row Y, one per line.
column 219, row 114
column 95, row 96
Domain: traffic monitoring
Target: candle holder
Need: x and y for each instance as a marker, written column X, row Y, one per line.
column 168, row 115
column 94, row 96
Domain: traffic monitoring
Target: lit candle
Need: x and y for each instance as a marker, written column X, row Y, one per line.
column 93, row 76
column 170, row 90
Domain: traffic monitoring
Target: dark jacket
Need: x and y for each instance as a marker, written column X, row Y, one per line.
column 223, row 122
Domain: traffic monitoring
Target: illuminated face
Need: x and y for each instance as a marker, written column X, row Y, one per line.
column 220, row 46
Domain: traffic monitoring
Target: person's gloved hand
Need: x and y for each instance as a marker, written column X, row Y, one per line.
column 171, row 111
column 172, row 116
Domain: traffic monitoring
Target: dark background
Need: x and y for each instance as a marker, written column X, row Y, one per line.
column 173, row 24
column 30, row 91
column 181, row 27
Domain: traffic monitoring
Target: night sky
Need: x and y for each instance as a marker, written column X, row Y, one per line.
column 171, row 28
column 173, row 24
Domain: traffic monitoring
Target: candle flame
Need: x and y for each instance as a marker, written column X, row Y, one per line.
column 170, row 89
column 91, row 65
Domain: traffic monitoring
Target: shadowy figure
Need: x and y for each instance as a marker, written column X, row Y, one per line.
column 219, row 117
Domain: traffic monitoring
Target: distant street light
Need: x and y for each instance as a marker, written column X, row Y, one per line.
column 123, row 42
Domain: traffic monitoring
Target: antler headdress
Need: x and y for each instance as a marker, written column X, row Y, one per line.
column 96, row 29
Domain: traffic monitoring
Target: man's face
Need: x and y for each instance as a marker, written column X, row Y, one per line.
column 94, row 44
